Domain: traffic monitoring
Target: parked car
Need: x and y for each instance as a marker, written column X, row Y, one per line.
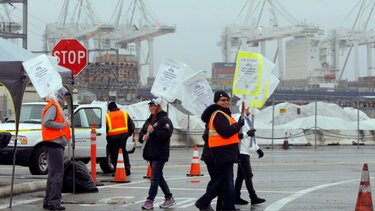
column 31, row 150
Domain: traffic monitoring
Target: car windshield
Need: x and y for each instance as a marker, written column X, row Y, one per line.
column 29, row 114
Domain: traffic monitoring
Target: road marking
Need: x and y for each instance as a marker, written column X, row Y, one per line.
column 282, row 202
column 21, row 202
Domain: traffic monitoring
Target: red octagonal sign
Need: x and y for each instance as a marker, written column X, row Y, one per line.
column 71, row 54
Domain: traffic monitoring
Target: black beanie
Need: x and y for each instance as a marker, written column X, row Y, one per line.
column 220, row 94
column 112, row 106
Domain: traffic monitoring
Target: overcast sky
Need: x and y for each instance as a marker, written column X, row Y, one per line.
column 199, row 23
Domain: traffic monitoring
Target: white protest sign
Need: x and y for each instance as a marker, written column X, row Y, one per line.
column 168, row 79
column 197, row 94
column 43, row 75
column 248, row 73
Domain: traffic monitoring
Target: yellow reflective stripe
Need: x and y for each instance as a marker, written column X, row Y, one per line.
column 25, row 130
column 259, row 103
column 109, row 122
column 256, row 56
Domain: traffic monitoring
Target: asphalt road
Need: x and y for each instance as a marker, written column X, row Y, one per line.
column 300, row 178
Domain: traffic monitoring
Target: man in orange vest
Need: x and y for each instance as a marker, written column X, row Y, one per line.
column 55, row 134
column 220, row 152
column 119, row 127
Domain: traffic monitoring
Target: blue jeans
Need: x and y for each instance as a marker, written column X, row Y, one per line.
column 157, row 179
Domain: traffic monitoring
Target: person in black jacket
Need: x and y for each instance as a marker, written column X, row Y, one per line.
column 156, row 133
column 220, row 159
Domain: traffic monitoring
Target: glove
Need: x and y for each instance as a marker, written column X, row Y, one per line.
column 260, row 153
column 241, row 121
column 240, row 135
column 251, row 132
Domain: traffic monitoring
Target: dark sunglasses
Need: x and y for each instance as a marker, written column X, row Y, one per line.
column 224, row 100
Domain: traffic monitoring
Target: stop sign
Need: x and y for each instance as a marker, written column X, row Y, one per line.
column 71, row 54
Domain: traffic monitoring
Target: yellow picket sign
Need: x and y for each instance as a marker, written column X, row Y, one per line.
column 248, row 73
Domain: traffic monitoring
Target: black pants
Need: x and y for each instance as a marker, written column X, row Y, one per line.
column 244, row 172
column 55, row 158
column 157, row 179
column 113, row 147
column 221, row 185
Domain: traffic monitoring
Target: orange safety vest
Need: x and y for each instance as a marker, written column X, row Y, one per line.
column 214, row 139
column 117, row 122
column 51, row 134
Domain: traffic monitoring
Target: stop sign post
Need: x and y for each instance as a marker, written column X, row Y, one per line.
column 71, row 54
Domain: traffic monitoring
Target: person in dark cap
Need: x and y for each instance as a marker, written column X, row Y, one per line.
column 156, row 133
column 55, row 135
column 220, row 152
column 119, row 127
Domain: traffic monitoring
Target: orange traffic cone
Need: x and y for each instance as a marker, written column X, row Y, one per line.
column 120, row 175
column 195, row 168
column 148, row 174
column 364, row 200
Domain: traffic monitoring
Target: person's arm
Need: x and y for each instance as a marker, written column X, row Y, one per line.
column 49, row 119
column 131, row 126
column 223, row 126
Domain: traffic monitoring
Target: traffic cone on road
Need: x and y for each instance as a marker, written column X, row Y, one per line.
column 195, row 168
column 148, row 174
column 120, row 175
column 364, row 200
column 286, row 143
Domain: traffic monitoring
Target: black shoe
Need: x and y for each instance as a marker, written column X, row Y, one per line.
column 209, row 208
column 58, row 207
column 128, row 172
column 240, row 201
column 46, row 207
column 257, row 201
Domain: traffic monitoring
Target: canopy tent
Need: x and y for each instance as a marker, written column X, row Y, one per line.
column 14, row 78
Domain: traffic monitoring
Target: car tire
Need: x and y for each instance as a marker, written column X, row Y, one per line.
column 106, row 164
column 38, row 161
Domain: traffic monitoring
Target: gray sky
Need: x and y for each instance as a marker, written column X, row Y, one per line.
column 199, row 23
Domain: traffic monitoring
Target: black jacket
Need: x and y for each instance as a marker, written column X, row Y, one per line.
column 224, row 154
column 121, row 139
column 157, row 146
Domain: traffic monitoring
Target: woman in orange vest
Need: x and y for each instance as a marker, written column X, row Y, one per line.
column 220, row 152
column 119, row 127
column 55, row 134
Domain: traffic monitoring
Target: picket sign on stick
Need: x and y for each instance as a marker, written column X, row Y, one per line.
column 169, row 78
column 43, row 75
column 197, row 94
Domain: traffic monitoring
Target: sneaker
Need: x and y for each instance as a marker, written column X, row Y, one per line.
column 257, row 201
column 168, row 202
column 240, row 201
column 148, row 205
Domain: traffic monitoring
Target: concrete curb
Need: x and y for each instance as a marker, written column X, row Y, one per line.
column 23, row 188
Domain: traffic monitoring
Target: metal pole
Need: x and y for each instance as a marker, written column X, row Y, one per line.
column 316, row 119
column 358, row 107
column 117, row 70
column 273, row 120
column 188, row 132
column 24, row 25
